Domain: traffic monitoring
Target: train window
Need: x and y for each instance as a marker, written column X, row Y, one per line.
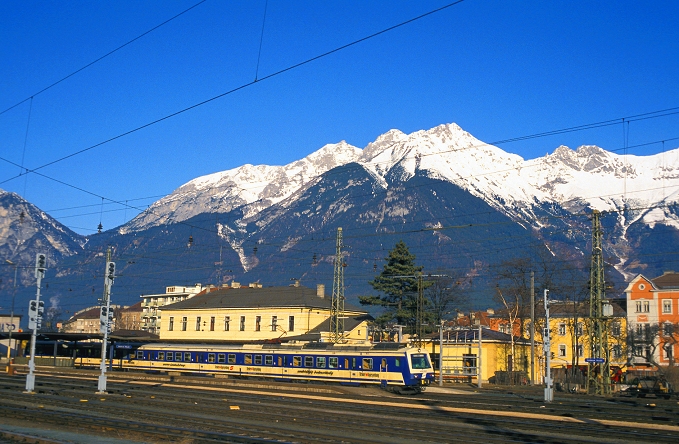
column 221, row 358
column 268, row 360
column 248, row 360
column 140, row 354
column 280, row 361
column 308, row 361
column 419, row 361
column 177, row 356
column 258, row 359
column 169, row 356
column 187, row 357
column 367, row 363
column 320, row 362
column 346, row 363
column 296, row 361
column 161, row 356
column 397, row 362
column 211, row 358
column 384, row 364
column 332, row 362
column 232, row 358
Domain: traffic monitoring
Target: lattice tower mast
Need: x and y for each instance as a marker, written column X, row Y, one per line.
column 599, row 377
column 337, row 302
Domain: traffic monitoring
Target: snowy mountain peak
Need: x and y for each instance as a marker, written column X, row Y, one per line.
column 588, row 175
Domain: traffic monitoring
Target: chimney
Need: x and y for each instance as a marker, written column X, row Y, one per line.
column 320, row 290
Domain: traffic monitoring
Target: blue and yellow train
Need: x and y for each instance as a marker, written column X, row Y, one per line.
column 389, row 365
column 392, row 366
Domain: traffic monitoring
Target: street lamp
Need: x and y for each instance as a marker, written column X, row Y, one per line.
column 11, row 313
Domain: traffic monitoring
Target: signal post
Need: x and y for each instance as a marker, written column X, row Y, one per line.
column 105, row 319
column 35, row 310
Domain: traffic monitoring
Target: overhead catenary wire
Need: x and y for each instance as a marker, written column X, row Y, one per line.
column 101, row 58
column 242, row 86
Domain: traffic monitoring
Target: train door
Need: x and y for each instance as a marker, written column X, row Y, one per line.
column 383, row 373
column 280, row 362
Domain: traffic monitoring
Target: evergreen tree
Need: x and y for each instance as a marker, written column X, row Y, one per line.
column 398, row 284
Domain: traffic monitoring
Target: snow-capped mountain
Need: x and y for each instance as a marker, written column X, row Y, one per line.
column 636, row 188
column 25, row 230
column 257, row 187
column 463, row 206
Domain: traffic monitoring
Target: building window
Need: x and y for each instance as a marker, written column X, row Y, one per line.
column 579, row 328
column 227, row 321
column 668, row 352
column 637, row 306
column 197, row 323
column 274, row 323
column 647, row 306
column 170, row 325
column 562, row 329
column 258, row 323
column 616, row 329
column 212, row 323
column 242, row 323
column 291, row 323
column 666, row 306
column 562, row 350
column 184, row 323
column 617, row 352
column 667, row 329
column 579, row 350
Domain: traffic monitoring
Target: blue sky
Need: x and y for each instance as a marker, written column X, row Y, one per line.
column 498, row 69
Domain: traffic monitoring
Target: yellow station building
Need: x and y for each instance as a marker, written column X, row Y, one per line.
column 259, row 314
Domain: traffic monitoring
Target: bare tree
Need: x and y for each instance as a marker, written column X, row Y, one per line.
column 643, row 342
column 444, row 294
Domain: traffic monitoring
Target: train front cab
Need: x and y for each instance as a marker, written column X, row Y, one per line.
column 420, row 371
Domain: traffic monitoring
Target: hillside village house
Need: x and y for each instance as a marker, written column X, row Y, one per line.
column 655, row 302
column 259, row 314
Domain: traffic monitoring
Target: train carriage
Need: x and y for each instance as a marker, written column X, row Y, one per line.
column 391, row 365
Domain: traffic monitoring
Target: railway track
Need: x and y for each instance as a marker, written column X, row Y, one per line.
column 153, row 411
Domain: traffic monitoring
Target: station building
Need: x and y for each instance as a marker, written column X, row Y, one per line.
column 253, row 313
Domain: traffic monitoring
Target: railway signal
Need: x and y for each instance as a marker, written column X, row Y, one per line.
column 35, row 309
column 106, row 317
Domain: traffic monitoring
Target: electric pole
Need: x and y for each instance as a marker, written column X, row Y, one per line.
column 337, row 301
column 598, row 364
